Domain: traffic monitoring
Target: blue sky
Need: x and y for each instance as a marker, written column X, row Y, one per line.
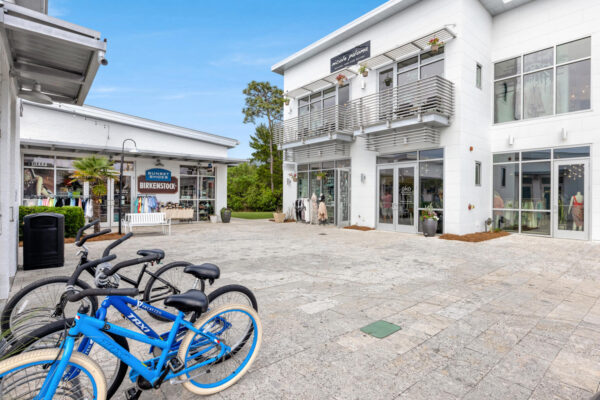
column 187, row 62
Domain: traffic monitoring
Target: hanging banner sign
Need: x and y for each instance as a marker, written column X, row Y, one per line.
column 154, row 187
column 351, row 57
column 158, row 175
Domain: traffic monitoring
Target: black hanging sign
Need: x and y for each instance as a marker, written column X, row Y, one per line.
column 351, row 57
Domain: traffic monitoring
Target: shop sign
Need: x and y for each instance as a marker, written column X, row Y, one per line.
column 158, row 175
column 157, row 187
column 351, row 57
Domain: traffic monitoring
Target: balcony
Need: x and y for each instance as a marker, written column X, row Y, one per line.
column 428, row 102
column 326, row 125
column 406, row 114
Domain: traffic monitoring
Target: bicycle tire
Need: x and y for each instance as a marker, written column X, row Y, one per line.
column 42, row 338
column 188, row 342
column 165, row 273
column 43, row 359
column 7, row 318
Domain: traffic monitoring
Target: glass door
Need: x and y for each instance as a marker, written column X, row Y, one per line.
column 571, row 198
column 107, row 205
column 406, row 220
column 125, row 199
column 386, row 202
column 343, row 198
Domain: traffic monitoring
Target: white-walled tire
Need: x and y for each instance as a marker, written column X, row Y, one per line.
column 224, row 312
column 12, row 367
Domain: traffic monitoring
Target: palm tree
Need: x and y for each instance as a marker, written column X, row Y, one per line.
column 96, row 171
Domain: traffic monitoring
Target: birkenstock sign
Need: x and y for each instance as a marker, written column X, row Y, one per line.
column 351, row 57
column 157, row 187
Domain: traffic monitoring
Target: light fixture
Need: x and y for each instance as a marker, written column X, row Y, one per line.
column 158, row 163
column 506, row 1
column 564, row 134
column 511, row 140
column 35, row 94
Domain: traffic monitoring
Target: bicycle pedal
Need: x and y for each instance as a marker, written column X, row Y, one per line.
column 133, row 393
column 175, row 364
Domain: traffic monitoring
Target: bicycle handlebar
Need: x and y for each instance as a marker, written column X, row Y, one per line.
column 84, row 228
column 80, row 243
column 87, row 265
column 116, row 243
column 76, row 296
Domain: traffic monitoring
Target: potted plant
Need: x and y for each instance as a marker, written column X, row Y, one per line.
column 388, row 81
column 363, row 71
column 435, row 45
column 213, row 218
column 286, row 101
column 430, row 220
column 225, row 214
column 341, row 79
column 294, row 176
column 279, row 216
column 321, row 175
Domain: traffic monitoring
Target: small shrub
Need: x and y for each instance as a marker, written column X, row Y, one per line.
column 74, row 218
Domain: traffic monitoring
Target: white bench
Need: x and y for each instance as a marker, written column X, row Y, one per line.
column 147, row 219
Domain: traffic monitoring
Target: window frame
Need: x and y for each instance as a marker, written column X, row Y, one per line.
column 321, row 100
column 477, row 173
column 418, row 66
column 520, row 75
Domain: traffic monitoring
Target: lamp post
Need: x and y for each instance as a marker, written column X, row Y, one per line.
column 134, row 150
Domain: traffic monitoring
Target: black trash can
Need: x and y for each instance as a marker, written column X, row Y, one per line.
column 43, row 241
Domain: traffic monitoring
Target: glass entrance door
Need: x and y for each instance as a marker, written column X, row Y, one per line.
column 343, row 197
column 396, row 198
column 571, row 199
column 125, row 199
column 406, row 199
column 107, row 204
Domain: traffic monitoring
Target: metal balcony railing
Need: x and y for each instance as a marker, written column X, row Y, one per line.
column 324, row 122
column 434, row 95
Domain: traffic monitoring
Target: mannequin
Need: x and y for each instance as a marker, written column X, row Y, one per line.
column 322, row 210
column 313, row 208
column 576, row 211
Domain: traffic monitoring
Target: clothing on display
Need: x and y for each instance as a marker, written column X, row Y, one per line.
column 322, row 212
column 306, row 210
column 313, row 209
column 146, row 204
column 577, row 211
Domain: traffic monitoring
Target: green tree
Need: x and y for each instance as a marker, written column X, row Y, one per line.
column 269, row 163
column 96, row 171
column 264, row 102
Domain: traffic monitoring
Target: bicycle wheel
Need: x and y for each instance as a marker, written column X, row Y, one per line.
column 232, row 294
column 33, row 306
column 217, row 376
column 22, row 376
column 169, row 280
column 52, row 335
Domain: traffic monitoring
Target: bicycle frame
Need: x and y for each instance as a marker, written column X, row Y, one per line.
column 94, row 329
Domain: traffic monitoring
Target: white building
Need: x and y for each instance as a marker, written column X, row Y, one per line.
column 183, row 169
column 498, row 123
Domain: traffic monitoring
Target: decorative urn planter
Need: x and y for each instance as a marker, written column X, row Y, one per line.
column 429, row 227
column 226, row 215
column 279, row 217
column 435, row 48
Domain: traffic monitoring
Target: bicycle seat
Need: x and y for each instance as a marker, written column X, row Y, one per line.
column 203, row 271
column 192, row 300
column 145, row 253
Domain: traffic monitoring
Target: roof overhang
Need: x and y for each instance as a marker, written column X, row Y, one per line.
column 138, row 122
column 81, row 148
column 496, row 7
column 345, row 32
column 61, row 56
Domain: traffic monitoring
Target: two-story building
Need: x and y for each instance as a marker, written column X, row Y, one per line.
column 481, row 109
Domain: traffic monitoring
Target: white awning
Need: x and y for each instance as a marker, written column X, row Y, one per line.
column 61, row 56
column 395, row 54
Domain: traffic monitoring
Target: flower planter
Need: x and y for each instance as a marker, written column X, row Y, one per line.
column 279, row 217
column 429, row 227
column 435, row 48
column 225, row 216
column 388, row 82
column 214, row 219
column 365, row 74
column 295, row 179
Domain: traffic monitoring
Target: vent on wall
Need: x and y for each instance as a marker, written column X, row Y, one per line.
column 398, row 139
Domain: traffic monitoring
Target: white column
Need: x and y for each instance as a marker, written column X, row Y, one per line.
column 221, row 188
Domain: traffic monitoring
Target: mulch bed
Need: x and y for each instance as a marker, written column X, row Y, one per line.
column 474, row 237
column 359, row 228
column 108, row 236
column 286, row 221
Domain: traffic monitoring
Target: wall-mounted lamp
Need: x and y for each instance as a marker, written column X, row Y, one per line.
column 363, row 84
column 158, row 163
column 511, row 140
column 564, row 134
column 363, row 178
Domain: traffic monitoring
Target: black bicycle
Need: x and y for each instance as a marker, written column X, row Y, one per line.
column 36, row 304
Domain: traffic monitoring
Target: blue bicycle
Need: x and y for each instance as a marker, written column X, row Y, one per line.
column 214, row 353
column 52, row 335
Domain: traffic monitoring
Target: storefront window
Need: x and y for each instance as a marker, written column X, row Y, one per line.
column 38, row 161
column 302, row 185
column 38, row 182
column 65, row 186
column 197, row 190
column 431, row 177
column 522, row 199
